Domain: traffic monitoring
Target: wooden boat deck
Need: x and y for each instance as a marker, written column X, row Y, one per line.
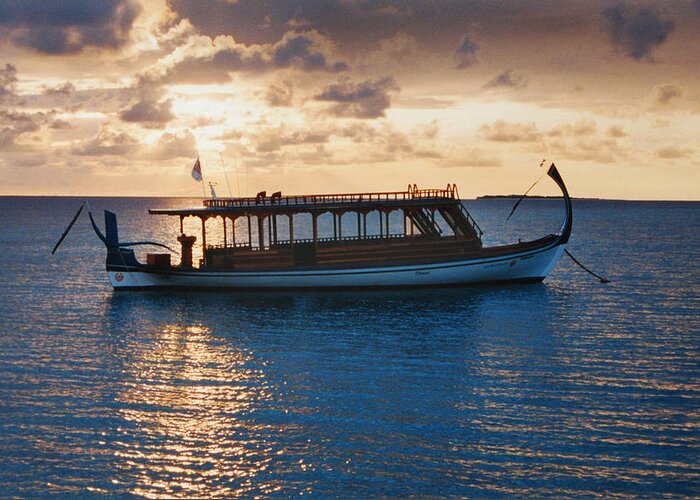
column 422, row 238
column 335, row 254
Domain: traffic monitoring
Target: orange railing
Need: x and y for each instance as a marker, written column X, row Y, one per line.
column 324, row 199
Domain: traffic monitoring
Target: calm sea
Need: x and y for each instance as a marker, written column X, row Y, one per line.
column 565, row 388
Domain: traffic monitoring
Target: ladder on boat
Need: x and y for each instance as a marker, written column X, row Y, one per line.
column 459, row 220
column 425, row 222
column 462, row 223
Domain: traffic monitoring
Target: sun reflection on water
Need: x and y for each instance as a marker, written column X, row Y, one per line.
column 184, row 410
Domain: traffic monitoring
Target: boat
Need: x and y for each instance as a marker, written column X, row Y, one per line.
column 266, row 253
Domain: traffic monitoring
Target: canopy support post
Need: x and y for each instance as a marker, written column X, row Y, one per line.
column 291, row 229
column 261, row 232
column 204, row 239
column 269, row 230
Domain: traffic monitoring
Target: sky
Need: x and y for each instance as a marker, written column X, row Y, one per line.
column 119, row 97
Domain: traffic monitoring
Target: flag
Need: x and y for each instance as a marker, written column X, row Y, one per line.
column 197, row 171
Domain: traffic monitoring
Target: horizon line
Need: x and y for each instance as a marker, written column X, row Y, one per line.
column 482, row 197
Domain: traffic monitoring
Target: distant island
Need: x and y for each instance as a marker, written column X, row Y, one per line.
column 492, row 196
column 515, row 196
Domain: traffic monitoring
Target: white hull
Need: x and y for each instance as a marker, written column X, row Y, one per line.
column 530, row 265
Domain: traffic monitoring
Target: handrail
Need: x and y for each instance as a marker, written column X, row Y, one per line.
column 392, row 236
column 320, row 199
column 471, row 220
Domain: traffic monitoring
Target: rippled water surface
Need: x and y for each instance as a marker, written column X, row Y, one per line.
column 566, row 388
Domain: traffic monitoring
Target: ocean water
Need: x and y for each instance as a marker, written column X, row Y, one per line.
column 565, row 388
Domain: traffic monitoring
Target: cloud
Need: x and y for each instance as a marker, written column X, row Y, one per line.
column 15, row 124
column 148, row 112
column 396, row 142
column 424, row 103
column 60, row 124
column 30, row 160
column 206, row 60
column 297, row 50
column 501, row 131
column 581, row 141
column 635, row 32
column 275, row 139
column 395, row 53
column 430, row 154
column 357, row 132
column 96, row 100
column 466, row 53
column 360, row 26
column 106, row 143
column 8, row 80
column 262, row 21
column 673, row 152
column 277, row 96
column 665, row 94
column 472, row 157
column 60, row 90
column 429, row 130
column 169, row 146
column 68, row 27
column 507, row 79
column 576, row 129
column 368, row 99
column 203, row 60
column 617, row 132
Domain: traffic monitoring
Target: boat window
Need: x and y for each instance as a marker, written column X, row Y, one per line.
column 349, row 224
column 325, row 226
column 303, row 227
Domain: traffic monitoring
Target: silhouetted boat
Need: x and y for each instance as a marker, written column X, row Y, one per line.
column 422, row 254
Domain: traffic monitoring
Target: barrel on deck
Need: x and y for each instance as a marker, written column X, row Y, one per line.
column 158, row 259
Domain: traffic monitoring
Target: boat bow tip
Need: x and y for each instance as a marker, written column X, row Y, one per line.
column 568, row 223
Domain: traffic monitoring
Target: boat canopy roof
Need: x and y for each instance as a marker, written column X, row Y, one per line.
column 276, row 203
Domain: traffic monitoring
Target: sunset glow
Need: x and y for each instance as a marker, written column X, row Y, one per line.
column 119, row 97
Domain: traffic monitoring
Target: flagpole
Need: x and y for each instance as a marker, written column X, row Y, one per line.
column 204, row 192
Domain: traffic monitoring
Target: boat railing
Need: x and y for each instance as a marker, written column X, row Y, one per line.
column 231, row 245
column 276, row 199
column 372, row 237
column 278, row 243
column 471, row 220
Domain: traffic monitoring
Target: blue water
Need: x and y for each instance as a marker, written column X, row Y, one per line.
column 565, row 388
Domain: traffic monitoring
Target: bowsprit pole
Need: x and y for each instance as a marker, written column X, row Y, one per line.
column 602, row 280
column 65, row 233
column 526, row 192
